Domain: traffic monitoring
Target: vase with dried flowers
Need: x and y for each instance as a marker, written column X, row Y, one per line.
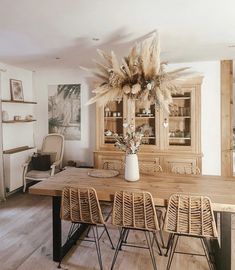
column 130, row 144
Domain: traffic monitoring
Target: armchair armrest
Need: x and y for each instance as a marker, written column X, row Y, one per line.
column 26, row 164
column 25, row 168
column 54, row 165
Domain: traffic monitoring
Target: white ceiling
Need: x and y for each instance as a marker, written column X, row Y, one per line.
column 34, row 32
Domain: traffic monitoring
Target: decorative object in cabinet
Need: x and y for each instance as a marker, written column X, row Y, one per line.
column 113, row 122
column 145, row 122
column 182, row 119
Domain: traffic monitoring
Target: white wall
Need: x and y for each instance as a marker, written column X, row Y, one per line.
column 210, row 114
column 19, row 134
column 82, row 150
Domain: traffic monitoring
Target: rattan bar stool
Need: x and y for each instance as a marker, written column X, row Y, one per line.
column 111, row 165
column 135, row 211
column 81, row 206
column 114, row 165
column 190, row 216
column 150, row 168
column 155, row 169
column 187, row 169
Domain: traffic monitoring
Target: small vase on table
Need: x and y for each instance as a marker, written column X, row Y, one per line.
column 132, row 168
column 130, row 144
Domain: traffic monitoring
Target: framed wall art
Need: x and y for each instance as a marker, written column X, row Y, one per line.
column 16, row 90
column 64, row 110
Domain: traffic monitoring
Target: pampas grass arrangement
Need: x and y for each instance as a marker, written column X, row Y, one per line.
column 141, row 75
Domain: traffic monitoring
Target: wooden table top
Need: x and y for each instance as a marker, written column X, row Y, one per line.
column 221, row 190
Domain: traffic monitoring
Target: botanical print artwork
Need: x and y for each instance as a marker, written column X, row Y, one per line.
column 16, row 90
column 64, row 110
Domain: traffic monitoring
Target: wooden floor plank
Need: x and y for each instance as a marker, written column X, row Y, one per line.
column 26, row 243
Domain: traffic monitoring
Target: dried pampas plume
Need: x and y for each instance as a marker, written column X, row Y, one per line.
column 141, row 75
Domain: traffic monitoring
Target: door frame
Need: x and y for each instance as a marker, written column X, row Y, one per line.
column 2, row 184
column 226, row 74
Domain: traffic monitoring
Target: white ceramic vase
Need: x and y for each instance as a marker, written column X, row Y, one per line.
column 132, row 168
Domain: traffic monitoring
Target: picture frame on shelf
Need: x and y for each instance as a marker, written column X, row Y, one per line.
column 16, row 88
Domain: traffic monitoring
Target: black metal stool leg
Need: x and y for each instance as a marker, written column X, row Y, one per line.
column 206, row 251
column 169, row 243
column 158, row 245
column 88, row 230
column 162, row 239
column 173, row 247
column 109, row 236
column 148, row 239
column 96, row 237
column 122, row 235
column 124, row 238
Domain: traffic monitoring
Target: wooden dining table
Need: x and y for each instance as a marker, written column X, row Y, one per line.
column 220, row 189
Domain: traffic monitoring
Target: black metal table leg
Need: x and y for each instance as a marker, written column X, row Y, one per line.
column 60, row 251
column 222, row 252
column 56, row 228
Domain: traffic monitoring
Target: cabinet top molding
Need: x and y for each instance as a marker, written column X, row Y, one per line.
column 14, row 101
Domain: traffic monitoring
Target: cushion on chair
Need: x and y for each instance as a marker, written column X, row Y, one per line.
column 39, row 175
column 41, row 162
column 52, row 156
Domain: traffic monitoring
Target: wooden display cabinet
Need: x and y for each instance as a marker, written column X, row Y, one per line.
column 169, row 138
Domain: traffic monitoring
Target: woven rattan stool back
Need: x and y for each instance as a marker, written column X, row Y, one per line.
column 81, row 205
column 150, row 168
column 190, row 215
column 111, row 165
column 134, row 210
column 179, row 169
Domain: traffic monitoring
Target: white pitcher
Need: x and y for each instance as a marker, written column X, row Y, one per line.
column 132, row 168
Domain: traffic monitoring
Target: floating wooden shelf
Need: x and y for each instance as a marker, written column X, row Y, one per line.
column 15, row 101
column 179, row 117
column 180, row 97
column 144, row 117
column 17, row 149
column 18, row 121
column 179, row 138
column 113, row 117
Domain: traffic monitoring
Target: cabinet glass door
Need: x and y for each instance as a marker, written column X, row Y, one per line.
column 145, row 122
column 180, row 120
column 113, row 121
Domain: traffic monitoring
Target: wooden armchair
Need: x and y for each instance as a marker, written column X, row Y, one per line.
column 53, row 144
